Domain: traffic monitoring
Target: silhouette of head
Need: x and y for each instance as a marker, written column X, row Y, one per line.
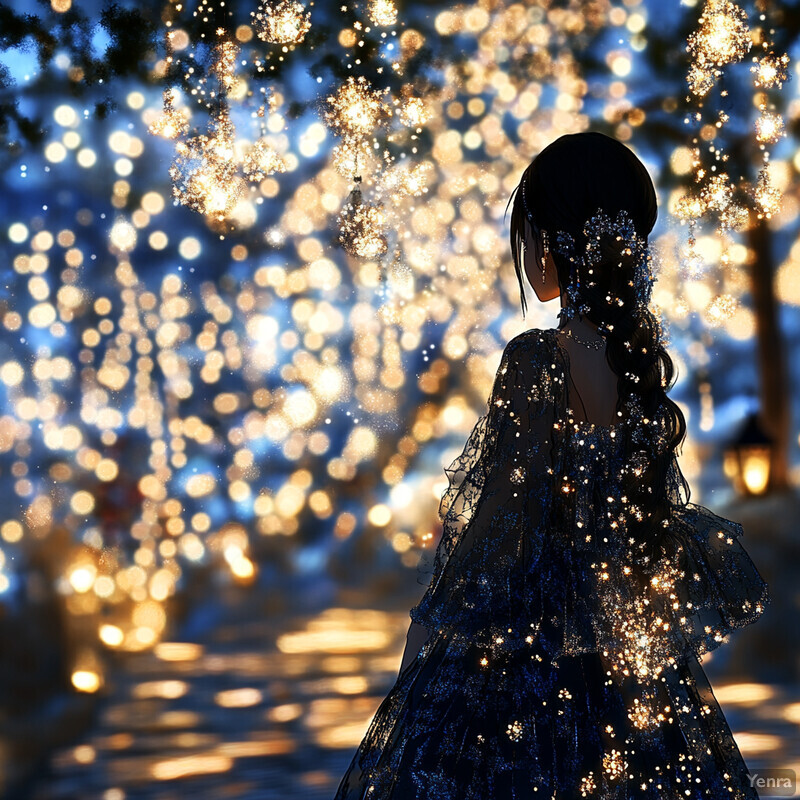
column 566, row 184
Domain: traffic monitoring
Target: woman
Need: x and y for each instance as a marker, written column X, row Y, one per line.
column 555, row 651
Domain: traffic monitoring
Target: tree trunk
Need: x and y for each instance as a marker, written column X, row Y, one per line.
column 775, row 410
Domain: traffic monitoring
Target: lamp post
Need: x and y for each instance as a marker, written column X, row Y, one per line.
column 748, row 459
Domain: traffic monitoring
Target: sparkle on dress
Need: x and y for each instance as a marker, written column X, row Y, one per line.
column 561, row 664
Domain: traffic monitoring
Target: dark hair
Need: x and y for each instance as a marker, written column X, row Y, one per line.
column 564, row 186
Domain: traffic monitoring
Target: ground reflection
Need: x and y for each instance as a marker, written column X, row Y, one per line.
column 271, row 710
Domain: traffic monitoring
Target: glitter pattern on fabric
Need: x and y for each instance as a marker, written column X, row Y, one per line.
column 561, row 663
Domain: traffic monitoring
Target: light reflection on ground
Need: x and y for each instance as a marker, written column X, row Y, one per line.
column 272, row 709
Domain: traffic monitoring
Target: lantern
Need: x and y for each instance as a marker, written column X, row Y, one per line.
column 747, row 458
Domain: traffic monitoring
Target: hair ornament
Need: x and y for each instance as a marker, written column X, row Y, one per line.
column 621, row 230
column 525, row 201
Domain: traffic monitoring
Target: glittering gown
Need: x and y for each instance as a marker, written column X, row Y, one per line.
column 558, row 665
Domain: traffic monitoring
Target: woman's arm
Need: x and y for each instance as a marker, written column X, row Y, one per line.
column 496, row 507
column 416, row 637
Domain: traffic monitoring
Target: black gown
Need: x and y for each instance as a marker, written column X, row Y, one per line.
column 557, row 665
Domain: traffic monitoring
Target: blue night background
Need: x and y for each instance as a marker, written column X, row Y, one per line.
column 256, row 283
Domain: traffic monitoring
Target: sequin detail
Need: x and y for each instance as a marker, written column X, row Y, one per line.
column 561, row 664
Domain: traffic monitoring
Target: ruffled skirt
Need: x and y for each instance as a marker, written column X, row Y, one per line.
column 456, row 727
column 551, row 672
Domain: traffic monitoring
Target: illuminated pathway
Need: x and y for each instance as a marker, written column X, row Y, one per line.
column 235, row 716
column 273, row 709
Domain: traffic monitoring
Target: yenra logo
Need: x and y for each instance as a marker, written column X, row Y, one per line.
column 774, row 782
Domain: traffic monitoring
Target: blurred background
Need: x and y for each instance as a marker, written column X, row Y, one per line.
column 256, row 282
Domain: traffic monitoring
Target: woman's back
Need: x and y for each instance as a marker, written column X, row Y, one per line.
column 592, row 387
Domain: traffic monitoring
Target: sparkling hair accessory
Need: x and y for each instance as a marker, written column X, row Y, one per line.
column 525, row 202
column 632, row 247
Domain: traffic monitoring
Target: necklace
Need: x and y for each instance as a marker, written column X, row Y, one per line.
column 596, row 344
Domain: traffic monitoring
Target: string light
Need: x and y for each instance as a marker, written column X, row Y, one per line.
column 224, row 65
column 769, row 127
column 588, row 785
column 701, row 80
column 414, row 113
column 734, row 217
column 172, row 122
column 771, row 71
column 204, row 172
column 361, row 227
column 262, row 160
column 362, row 114
column 285, row 22
column 382, row 12
column 514, row 730
column 209, row 170
column 723, row 37
column 719, row 309
column 407, row 180
column 717, row 194
column 690, row 207
column 356, row 108
column 351, row 156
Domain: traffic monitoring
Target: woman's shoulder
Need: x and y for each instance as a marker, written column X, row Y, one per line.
column 530, row 337
column 529, row 362
column 534, row 345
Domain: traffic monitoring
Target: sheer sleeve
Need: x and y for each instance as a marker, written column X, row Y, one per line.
column 534, row 552
column 494, row 511
column 722, row 589
column 648, row 615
